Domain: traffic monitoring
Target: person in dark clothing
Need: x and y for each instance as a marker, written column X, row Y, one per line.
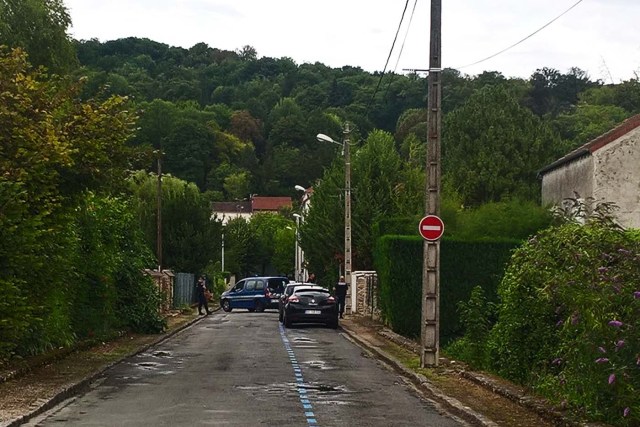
column 201, row 290
column 312, row 278
column 341, row 294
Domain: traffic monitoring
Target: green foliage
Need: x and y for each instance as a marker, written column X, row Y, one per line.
column 400, row 289
column 39, row 27
column 568, row 320
column 62, row 236
column 398, row 261
column 587, row 122
column 515, row 219
column 190, row 239
column 492, row 148
column 476, row 316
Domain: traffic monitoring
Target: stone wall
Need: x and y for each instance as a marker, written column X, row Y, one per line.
column 364, row 296
column 164, row 282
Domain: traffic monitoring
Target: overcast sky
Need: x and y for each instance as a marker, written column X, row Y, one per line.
column 601, row 37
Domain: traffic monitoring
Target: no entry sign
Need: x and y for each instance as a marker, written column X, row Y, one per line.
column 431, row 227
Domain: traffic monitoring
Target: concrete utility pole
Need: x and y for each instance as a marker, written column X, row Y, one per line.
column 347, row 206
column 430, row 331
column 159, row 219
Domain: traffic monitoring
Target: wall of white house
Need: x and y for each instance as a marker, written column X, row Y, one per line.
column 572, row 177
column 617, row 177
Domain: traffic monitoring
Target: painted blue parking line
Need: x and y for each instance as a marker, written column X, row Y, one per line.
column 302, row 390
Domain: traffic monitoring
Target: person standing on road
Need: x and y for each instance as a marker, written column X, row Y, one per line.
column 201, row 290
column 341, row 294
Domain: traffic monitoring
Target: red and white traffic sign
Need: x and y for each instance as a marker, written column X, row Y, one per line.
column 431, row 227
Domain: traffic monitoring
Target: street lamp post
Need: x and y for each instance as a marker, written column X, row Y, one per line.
column 300, row 252
column 297, row 261
column 347, row 198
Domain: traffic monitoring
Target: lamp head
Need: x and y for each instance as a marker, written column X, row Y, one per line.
column 324, row 138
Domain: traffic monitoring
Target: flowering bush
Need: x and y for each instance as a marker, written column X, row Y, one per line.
column 569, row 320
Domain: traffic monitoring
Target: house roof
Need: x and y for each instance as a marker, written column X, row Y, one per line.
column 232, row 207
column 263, row 203
column 595, row 144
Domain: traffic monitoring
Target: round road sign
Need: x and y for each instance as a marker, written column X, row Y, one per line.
column 431, row 227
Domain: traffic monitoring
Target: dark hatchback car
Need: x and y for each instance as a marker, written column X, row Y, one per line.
column 254, row 294
column 286, row 293
column 310, row 304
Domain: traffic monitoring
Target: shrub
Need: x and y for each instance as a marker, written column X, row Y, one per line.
column 569, row 320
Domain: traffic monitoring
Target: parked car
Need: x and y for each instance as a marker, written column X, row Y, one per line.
column 310, row 304
column 254, row 294
column 288, row 290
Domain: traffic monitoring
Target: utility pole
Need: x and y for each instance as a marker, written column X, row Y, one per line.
column 430, row 330
column 159, row 218
column 347, row 206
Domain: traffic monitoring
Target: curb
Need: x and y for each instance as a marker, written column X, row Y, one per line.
column 453, row 406
column 83, row 384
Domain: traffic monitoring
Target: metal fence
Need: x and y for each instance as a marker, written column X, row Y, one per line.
column 184, row 289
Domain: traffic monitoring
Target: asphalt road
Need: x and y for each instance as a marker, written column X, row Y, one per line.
column 245, row 369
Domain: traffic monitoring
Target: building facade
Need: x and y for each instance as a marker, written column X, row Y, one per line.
column 606, row 169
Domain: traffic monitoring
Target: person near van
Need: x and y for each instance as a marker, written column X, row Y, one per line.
column 201, row 291
column 312, row 278
column 341, row 295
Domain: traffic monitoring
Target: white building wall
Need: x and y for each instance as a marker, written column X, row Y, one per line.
column 570, row 178
column 617, row 177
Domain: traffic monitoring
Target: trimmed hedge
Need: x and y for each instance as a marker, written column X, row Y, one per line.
column 463, row 265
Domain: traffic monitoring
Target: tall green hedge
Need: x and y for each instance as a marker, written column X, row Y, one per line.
column 463, row 265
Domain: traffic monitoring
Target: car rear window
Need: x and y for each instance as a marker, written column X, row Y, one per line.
column 277, row 284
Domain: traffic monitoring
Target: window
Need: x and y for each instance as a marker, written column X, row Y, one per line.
column 259, row 285
column 251, row 285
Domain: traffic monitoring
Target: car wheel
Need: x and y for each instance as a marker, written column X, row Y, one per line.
column 333, row 324
column 226, row 306
column 251, row 310
column 280, row 316
column 259, row 306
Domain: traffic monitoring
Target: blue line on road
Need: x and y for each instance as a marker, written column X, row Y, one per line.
column 302, row 391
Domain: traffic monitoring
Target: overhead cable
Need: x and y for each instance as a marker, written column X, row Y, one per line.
column 527, row 37
column 389, row 56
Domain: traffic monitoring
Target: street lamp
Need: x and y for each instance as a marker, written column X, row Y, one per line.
column 303, row 210
column 347, row 198
column 298, row 262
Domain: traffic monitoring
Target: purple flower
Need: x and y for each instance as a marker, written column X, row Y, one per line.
column 638, row 360
column 615, row 323
column 556, row 361
column 612, row 378
column 603, row 270
column 619, row 344
column 575, row 318
column 602, row 360
column 602, row 350
column 626, row 412
column 636, row 295
column 559, row 322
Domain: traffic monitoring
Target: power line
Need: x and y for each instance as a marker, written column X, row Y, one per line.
column 527, row 37
column 413, row 11
column 389, row 56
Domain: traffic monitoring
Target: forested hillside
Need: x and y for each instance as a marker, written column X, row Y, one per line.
column 238, row 124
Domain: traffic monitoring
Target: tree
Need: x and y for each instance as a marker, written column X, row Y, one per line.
column 492, row 148
column 189, row 237
column 40, row 28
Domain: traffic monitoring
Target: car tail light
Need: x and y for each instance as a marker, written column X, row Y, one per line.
column 294, row 299
column 331, row 300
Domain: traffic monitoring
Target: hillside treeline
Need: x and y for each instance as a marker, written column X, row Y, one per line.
column 238, row 124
